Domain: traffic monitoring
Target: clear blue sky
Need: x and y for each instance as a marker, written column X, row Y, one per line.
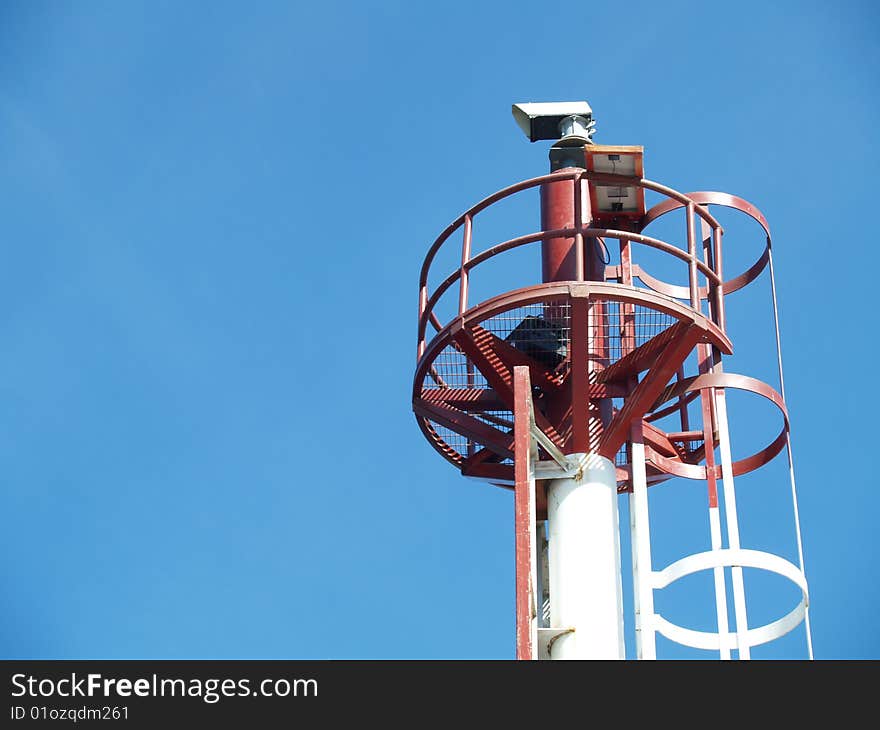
column 213, row 215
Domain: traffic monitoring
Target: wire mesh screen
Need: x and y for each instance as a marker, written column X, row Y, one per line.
column 621, row 458
column 547, row 324
column 452, row 369
column 461, row 445
column 618, row 327
column 543, row 331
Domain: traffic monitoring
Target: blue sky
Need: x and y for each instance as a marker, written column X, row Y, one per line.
column 213, row 216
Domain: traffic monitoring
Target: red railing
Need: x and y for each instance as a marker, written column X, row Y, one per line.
column 709, row 267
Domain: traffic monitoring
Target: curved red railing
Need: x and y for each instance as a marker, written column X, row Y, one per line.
column 714, row 287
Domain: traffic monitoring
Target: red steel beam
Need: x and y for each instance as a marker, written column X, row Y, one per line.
column 524, row 515
column 646, row 392
column 642, row 356
column 659, row 439
column 491, row 472
column 468, row 426
column 478, row 345
column 561, row 258
column 707, row 404
column 581, row 412
column 473, row 399
column 513, row 357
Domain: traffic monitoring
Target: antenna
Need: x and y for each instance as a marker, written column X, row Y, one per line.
column 597, row 384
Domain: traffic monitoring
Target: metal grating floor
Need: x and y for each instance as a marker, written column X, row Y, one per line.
column 452, row 369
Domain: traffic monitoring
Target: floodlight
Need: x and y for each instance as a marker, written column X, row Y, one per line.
column 570, row 121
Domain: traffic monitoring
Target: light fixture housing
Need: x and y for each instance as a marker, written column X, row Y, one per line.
column 540, row 339
column 563, row 120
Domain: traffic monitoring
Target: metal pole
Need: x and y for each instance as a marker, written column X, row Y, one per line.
column 736, row 571
column 584, row 552
column 643, row 596
column 558, row 255
column 586, row 594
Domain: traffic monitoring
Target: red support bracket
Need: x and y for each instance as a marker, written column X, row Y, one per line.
column 470, row 427
column 479, row 345
column 646, row 392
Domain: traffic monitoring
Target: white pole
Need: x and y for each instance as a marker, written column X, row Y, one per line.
column 584, row 552
column 736, row 571
column 720, row 583
column 643, row 593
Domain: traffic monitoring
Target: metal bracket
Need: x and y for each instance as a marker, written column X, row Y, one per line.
column 546, row 639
